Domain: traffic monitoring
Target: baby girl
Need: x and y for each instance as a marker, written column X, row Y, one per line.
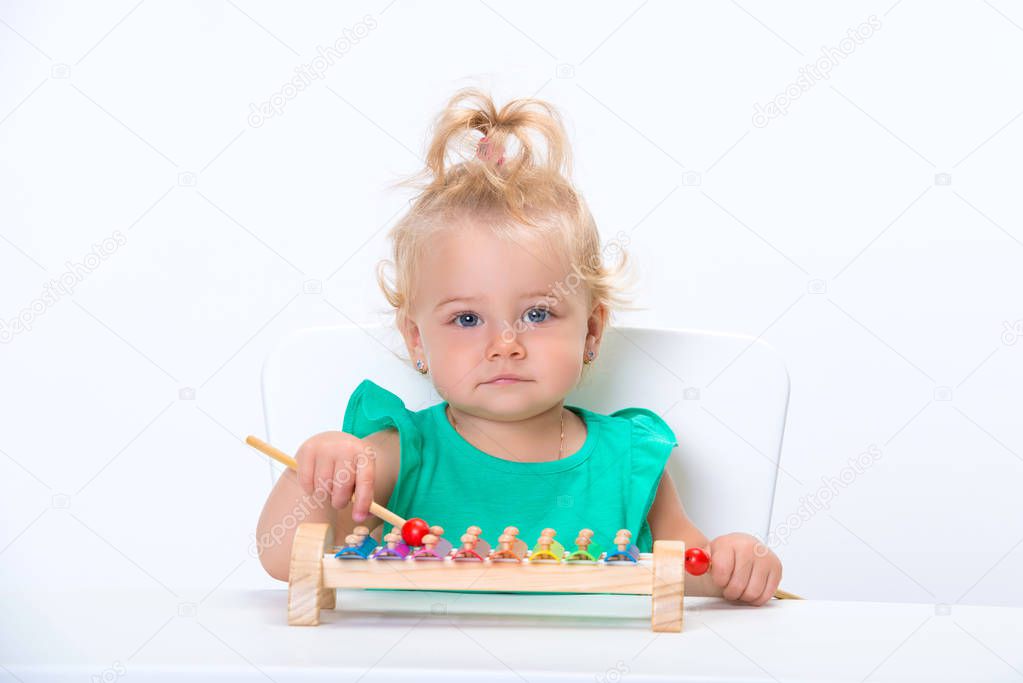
column 502, row 294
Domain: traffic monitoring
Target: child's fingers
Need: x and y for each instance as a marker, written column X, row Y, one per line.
column 722, row 564
column 306, row 463
column 344, row 483
column 757, row 582
column 773, row 579
column 740, row 575
column 324, row 474
column 365, row 469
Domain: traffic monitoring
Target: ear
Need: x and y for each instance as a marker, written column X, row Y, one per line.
column 595, row 326
column 413, row 339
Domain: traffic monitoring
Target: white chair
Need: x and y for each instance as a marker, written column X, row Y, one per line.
column 725, row 396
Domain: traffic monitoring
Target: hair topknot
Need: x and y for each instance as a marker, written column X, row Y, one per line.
column 511, row 166
column 513, row 160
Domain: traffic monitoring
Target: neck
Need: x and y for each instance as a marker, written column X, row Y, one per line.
column 534, row 439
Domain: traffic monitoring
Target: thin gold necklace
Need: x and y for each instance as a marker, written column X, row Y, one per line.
column 561, row 447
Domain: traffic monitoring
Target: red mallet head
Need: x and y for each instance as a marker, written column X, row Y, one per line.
column 697, row 561
column 413, row 530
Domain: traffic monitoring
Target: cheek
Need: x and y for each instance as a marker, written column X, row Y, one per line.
column 560, row 360
column 560, row 347
column 455, row 348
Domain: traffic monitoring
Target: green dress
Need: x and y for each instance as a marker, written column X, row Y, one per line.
column 608, row 484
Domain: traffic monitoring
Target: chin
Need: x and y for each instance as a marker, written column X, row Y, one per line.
column 503, row 403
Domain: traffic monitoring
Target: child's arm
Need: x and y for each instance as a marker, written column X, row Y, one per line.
column 667, row 518
column 289, row 505
column 742, row 568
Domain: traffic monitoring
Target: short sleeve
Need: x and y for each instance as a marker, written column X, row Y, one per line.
column 372, row 408
column 652, row 443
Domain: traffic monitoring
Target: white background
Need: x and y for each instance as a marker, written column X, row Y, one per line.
column 893, row 296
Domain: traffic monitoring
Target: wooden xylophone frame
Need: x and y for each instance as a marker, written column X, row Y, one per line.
column 315, row 575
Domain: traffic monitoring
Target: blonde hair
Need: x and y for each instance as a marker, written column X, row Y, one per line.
column 501, row 174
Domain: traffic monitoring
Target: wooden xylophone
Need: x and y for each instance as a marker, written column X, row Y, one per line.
column 318, row 568
column 420, row 558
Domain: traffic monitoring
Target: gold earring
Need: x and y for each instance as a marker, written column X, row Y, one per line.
column 421, row 367
column 589, row 358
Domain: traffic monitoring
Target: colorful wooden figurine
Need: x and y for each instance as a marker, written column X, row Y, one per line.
column 586, row 552
column 358, row 545
column 547, row 549
column 394, row 548
column 473, row 547
column 510, row 548
column 625, row 550
column 434, row 547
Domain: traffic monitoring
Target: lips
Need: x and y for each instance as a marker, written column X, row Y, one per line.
column 506, row 379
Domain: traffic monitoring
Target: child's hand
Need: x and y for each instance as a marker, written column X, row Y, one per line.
column 335, row 464
column 745, row 568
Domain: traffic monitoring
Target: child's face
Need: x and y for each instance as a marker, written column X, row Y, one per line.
column 518, row 309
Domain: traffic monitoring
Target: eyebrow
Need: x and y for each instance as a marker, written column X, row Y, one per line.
column 532, row 295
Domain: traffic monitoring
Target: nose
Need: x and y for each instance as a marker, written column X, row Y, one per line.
column 505, row 344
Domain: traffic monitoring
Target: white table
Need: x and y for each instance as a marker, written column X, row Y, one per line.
column 235, row 635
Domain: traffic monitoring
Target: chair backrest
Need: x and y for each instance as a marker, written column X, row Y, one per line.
column 725, row 396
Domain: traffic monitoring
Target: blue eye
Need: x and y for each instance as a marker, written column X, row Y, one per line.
column 545, row 314
column 461, row 317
